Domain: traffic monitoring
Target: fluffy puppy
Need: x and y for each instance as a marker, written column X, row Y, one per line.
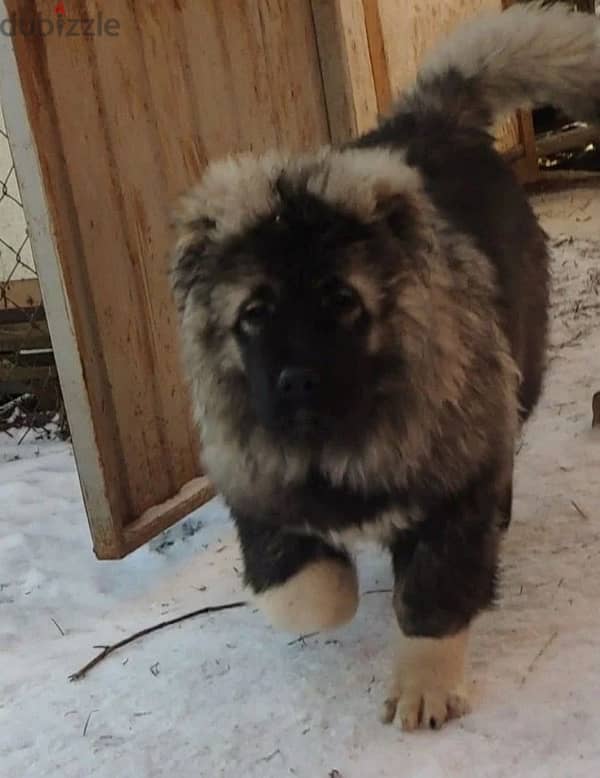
column 364, row 330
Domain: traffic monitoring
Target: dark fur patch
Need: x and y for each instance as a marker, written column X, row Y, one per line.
column 446, row 566
column 273, row 556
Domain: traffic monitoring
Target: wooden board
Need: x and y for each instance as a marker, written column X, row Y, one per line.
column 121, row 125
column 23, row 336
column 346, row 66
column 24, row 293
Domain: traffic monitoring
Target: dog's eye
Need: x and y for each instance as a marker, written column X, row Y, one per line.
column 254, row 315
column 340, row 299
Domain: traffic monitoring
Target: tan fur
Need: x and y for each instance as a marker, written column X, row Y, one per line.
column 322, row 596
column 428, row 686
column 237, row 191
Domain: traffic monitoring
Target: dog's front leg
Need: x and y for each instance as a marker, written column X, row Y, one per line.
column 445, row 569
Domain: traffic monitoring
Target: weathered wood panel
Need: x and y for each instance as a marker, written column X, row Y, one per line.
column 346, row 66
column 122, row 124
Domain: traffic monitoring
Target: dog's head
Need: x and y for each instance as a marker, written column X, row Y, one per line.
column 288, row 274
column 317, row 306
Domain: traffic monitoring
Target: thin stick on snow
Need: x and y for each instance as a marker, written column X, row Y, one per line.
column 538, row 656
column 378, row 591
column 57, row 625
column 107, row 650
column 579, row 510
column 87, row 722
column 303, row 638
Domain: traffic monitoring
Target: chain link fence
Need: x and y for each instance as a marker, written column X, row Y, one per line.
column 30, row 398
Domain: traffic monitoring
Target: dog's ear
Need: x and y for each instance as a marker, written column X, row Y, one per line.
column 397, row 211
column 194, row 233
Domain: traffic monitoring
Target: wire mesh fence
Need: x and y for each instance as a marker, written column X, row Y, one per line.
column 30, row 398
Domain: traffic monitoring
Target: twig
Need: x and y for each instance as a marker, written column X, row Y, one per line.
column 378, row 591
column 581, row 512
column 87, row 722
column 268, row 758
column 57, row 625
column 303, row 638
column 596, row 410
column 107, row 650
column 539, row 655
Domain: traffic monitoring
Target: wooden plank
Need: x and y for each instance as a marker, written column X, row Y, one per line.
column 527, row 168
column 21, row 315
column 171, row 92
column 24, row 293
column 377, row 53
column 123, row 124
column 348, row 78
column 256, row 81
column 147, row 380
column 152, row 521
column 568, row 140
column 16, row 337
column 25, row 376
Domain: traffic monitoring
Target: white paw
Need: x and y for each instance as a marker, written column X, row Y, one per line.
column 322, row 596
column 428, row 688
column 425, row 708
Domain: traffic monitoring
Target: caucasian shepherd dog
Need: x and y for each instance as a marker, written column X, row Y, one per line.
column 364, row 329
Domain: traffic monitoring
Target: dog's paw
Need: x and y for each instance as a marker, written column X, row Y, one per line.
column 321, row 596
column 428, row 708
column 428, row 688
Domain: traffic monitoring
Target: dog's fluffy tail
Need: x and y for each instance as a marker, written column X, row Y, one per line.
column 525, row 56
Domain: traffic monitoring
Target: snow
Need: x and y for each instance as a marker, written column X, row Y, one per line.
column 225, row 695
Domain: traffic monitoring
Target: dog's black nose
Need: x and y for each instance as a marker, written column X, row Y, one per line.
column 298, row 385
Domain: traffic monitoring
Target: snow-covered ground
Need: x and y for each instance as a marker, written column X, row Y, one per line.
column 225, row 695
